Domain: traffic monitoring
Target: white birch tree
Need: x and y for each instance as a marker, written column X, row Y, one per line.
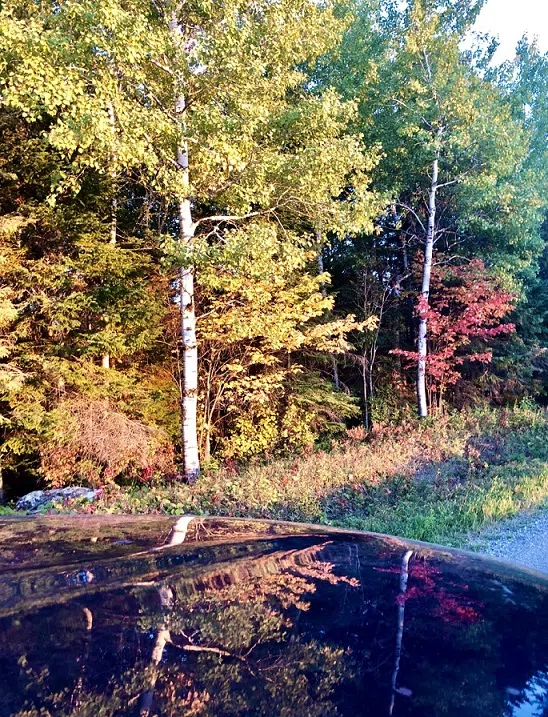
column 212, row 112
column 450, row 146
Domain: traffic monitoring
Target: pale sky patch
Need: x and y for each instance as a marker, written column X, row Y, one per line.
column 509, row 20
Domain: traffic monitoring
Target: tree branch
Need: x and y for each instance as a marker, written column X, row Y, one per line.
column 230, row 217
column 414, row 213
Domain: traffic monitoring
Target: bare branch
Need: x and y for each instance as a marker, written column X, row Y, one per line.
column 449, row 259
column 414, row 213
column 231, row 217
column 163, row 67
column 407, row 107
column 428, row 68
column 448, row 184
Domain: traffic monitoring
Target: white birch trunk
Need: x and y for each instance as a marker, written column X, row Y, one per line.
column 366, row 422
column 425, row 291
column 189, row 433
column 189, row 398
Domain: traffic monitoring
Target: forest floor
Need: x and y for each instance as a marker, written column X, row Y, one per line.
column 442, row 480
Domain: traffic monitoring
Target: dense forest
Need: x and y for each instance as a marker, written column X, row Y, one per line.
column 232, row 229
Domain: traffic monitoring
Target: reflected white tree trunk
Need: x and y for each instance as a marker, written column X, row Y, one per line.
column 404, row 577
column 163, row 636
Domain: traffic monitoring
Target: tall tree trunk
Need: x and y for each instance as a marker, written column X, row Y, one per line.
column 425, row 292
column 397, row 341
column 402, row 240
column 334, row 365
column 189, row 433
column 404, row 254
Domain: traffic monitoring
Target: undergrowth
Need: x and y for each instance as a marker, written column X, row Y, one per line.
column 437, row 480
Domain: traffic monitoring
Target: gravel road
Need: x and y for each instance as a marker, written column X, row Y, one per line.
column 522, row 540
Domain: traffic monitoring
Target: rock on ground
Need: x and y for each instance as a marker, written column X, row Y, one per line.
column 39, row 498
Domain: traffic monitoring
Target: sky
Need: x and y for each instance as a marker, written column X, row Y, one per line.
column 510, row 19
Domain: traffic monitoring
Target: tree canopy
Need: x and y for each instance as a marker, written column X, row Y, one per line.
column 234, row 229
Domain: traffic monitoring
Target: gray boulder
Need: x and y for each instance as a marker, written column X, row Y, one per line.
column 39, row 498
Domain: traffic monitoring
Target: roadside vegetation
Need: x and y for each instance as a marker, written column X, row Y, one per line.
column 440, row 481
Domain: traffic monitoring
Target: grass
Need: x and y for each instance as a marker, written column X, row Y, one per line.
column 6, row 510
column 438, row 481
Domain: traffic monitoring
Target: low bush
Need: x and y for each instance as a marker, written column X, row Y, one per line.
column 91, row 443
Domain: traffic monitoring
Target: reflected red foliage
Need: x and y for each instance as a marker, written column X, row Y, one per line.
column 424, row 584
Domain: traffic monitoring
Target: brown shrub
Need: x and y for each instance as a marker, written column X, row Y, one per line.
column 91, row 442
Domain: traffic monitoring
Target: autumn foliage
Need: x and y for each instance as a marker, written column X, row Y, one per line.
column 465, row 311
column 279, row 158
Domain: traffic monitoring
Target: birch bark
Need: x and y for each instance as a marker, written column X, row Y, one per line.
column 425, row 291
column 189, row 397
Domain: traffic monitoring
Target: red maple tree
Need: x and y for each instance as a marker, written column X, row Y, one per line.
column 464, row 311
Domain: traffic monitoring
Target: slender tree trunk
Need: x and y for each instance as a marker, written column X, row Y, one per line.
column 398, row 346
column 402, row 239
column 335, row 370
column 189, row 433
column 207, row 443
column 366, row 422
column 334, row 365
column 404, row 255
column 425, row 291
column 113, row 219
column 113, row 160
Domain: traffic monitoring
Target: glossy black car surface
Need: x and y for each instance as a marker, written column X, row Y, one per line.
column 192, row 616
